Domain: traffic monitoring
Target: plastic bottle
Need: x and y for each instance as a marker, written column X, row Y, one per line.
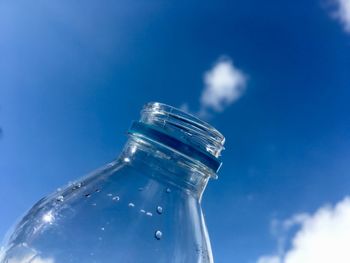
column 143, row 207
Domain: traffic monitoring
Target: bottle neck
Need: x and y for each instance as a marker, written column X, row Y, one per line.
column 163, row 163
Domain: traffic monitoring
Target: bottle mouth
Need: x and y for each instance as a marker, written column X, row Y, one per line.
column 182, row 132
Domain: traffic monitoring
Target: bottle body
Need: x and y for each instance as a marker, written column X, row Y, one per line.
column 122, row 213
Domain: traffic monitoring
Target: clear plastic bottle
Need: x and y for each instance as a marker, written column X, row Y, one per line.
column 143, row 207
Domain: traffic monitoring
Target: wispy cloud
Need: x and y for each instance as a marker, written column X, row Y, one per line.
column 224, row 83
column 322, row 237
column 343, row 13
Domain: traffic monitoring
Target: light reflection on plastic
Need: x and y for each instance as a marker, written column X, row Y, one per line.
column 48, row 217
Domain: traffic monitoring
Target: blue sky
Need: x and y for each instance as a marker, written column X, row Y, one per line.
column 74, row 74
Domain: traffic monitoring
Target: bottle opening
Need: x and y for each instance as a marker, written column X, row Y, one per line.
column 182, row 132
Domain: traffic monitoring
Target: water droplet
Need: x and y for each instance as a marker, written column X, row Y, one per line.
column 98, row 190
column 140, row 189
column 94, row 204
column 131, row 205
column 168, row 190
column 159, row 209
column 158, row 234
column 102, row 228
column 126, row 159
column 142, row 211
column 87, row 195
column 149, row 214
column 116, row 198
column 110, row 195
column 60, row 198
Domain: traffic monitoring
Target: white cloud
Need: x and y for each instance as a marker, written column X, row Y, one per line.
column 224, row 84
column 323, row 237
column 343, row 13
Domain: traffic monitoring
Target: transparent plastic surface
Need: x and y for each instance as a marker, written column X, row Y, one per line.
column 143, row 207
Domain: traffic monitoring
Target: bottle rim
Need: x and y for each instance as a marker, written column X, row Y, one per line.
column 167, row 113
column 183, row 131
